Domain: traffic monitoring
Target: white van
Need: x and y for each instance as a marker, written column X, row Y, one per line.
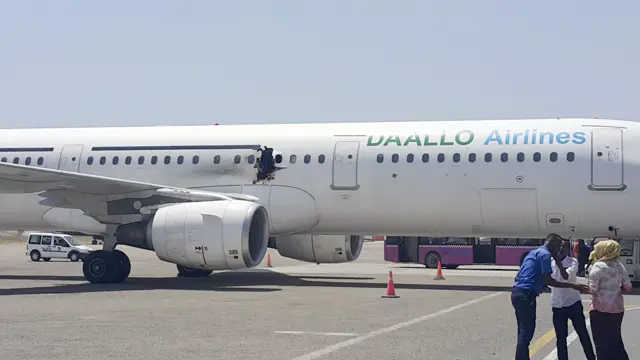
column 47, row 246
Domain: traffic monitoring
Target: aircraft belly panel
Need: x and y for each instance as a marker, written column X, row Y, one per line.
column 509, row 211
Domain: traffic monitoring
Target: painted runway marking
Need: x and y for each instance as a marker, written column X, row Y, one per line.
column 314, row 333
column 329, row 349
column 573, row 336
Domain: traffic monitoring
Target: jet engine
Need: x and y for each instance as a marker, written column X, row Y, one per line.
column 320, row 248
column 209, row 235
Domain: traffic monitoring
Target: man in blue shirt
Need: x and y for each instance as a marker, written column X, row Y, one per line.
column 534, row 275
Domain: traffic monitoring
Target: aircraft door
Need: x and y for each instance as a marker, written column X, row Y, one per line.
column 70, row 158
column 345, row 165
column 607, row 166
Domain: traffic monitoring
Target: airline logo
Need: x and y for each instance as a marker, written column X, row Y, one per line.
column 468, row 137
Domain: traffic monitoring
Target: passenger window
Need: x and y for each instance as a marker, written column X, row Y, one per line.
column 278, row 159
column 292, row 159
column 472, row 157
column 395, row 158
column 456, row 157
column 167, row 160
column 140, row 160
column 58, row 241
column 440, row 157
column 571, row 156
column 154, row 160
column 251, row 159
column 195, row 160
column 103, row 160
column 216, row 159
column 520, row 157
column 40, row 160
column 321, row 158
column 127, row 160
column 487, row 157
column 180, row 159
column 553, row 157
column 236, row 159
column 537, row 157
column 16, row 160
column 504, row 157
column 34, row 239
column 90, row 160
column 425, row 158
column 380, row 158
column 307, row 159
column 46, row 240
column 27, row 161
column 114, row 161
column 409, row 158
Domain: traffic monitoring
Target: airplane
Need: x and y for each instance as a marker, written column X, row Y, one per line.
column 215, row 197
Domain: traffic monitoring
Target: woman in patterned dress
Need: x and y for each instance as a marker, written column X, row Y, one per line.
column 607, row 279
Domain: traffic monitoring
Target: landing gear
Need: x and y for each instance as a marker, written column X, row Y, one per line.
column 102, row 267
column 189, row 272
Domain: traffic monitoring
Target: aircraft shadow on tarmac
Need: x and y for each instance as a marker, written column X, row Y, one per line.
column 265, row 281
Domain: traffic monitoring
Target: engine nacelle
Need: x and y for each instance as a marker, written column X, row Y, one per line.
column 320, row 248
column 211, row 235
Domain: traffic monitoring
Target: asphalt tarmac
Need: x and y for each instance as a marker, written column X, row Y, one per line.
column 291, row 311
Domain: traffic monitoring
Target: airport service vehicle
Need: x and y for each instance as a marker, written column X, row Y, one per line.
column 455, row 251
column 215, row 197
column 47, row 246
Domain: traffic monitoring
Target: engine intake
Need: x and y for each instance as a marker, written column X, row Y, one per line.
column 211, row 235
column 320, row 248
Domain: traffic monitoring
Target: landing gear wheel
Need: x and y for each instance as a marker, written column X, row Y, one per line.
column 101, row 267
column 123, row 265
column 98, row 267
column 189, row 272
column 35, row 255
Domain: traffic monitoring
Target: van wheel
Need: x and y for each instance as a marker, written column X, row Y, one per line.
column 35, row 255
column 46, row 259
column 74, row 256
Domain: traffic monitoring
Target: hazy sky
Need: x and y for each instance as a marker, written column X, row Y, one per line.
column 90, row 63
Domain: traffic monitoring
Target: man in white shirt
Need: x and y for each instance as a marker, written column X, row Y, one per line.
column 567, row 304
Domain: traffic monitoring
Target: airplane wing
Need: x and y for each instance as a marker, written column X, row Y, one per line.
column 106, row 199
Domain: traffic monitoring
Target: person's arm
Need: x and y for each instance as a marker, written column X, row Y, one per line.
column 563, row 272
column 549, row 281
column 626, row 281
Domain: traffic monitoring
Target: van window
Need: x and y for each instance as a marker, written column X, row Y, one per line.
column 34, row 239
column 58, row 241
column 46, row 240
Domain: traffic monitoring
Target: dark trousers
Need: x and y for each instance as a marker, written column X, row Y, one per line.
column 524, row 302
column 607, row 335
column 561, row 318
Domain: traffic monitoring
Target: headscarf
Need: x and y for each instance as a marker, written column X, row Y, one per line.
column 607, row 250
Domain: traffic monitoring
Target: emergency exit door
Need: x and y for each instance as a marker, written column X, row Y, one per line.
column 345, row 165
column 70, row 158
column 607, row 165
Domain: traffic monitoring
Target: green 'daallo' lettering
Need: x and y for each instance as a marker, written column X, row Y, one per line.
column 371, row 143
column 413, row 139
column 393, row 139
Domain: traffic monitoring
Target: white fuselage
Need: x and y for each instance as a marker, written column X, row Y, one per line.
column 373, row 179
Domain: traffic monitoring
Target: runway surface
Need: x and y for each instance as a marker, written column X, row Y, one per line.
column 292, row 311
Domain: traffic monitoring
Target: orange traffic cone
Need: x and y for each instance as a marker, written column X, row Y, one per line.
column 391, row 288
column 269, row 260
column 439, row 272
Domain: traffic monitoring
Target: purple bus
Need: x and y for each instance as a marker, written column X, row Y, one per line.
column 455, row 251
